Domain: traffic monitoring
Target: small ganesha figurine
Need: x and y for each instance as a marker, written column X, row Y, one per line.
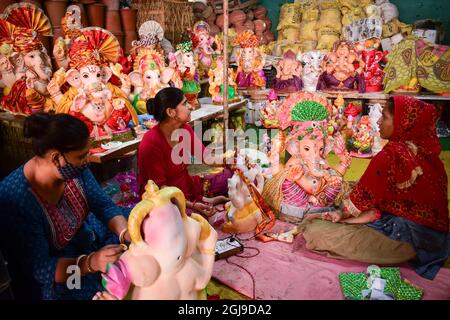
column 205, row 46
column 104, row 107
column 171, row 255
column 187, row 68
column 360, row 144
column 251, row 60
column 269, row 114
column 342, row 70
column 216, row 83
column 289, row 74
column 373, row 74
column 306, row 180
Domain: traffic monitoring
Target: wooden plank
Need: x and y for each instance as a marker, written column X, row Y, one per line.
column 125, row 148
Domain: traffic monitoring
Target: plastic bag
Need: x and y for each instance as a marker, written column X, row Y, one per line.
column 330, row 18
column 327, row 38
column 308, row 31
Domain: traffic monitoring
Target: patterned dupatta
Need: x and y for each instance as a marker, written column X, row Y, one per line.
column 407, row 178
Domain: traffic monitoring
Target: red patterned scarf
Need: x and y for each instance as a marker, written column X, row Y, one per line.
column 407, row 178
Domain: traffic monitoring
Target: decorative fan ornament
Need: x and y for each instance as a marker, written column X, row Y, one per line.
column 28, row 16
column 94, row 46
column 151, row 28
column 6, row 32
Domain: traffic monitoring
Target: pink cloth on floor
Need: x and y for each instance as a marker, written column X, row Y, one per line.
column 282, row 274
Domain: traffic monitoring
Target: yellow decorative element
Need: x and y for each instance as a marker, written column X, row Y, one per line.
column 205, row 227
column 414, row 175
column 29, row 16
column 153, row 198
column 148, row 59
column 116, row 69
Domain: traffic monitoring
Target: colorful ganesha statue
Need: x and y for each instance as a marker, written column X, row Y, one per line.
column 171, row 255
column 104, row 107
column 25, row 66
column 205, row 46
column 343, row 70
column 361, row 142
column 306, row 179
column 150, row 75
column 216, row 83
column 186, row 64
column 251, row 61
column 373, row 74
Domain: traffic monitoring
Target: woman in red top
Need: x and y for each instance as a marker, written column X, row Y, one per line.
column 403, row 192
column 165, row 161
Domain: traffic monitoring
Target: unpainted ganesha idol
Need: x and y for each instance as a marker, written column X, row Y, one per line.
column 289, row 74
column 306, row 179
column 104, row 107
column 251, row 61
column 342, row 70
column 25, row 66
column 171, row 255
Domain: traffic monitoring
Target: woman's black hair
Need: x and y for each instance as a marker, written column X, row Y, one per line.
column 391, row 105
column 61, row 132
column 164, row 99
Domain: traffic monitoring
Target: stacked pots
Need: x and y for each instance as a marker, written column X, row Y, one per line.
column 128, row 16
column 55, row 11
column 113, row 23
column 96, row 14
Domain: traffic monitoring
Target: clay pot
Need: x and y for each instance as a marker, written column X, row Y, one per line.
column 250, row 15
column 130, row 36
column 269, row 36
column 260, row 12
column 220, row 22
column 240, row 29
column 87, row 1
column 249, row 25
column 260, row 26
column 198, row 7
column 96, row 14
column 208, row 12
column 238, row 17
column 111, row 5
column 128, row 17
column 113, row 22
column 213, row 29
column 120, row 37
column 268, row 23
column 211, row 19
column 55, row 10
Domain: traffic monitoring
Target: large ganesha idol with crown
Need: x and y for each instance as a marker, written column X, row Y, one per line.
column 104, row 107
column 343, row 70
column 251, row 60
column 171, row 255
column 306, row 180
column 216, row 88
column 25, row 66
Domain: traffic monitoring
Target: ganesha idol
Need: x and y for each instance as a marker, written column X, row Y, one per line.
column 251, row 60
column 205, row 46
column 25, row 66
column 150, row 75
column 373, row 74
column 306, row 180
column 185, row 61
column 342, row 70
column 361, row 142
column 289, row 73
column 102, row 106
column 216, row 87
column 312, row 69
column 171, row 255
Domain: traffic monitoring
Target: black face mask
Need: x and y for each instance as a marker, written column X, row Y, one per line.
column 69, row 171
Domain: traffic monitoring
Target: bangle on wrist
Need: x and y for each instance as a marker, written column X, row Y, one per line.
column 77, row 263
column 89, row 263
column 122, row 235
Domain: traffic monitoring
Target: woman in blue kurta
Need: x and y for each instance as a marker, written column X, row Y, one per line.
column 54, row 215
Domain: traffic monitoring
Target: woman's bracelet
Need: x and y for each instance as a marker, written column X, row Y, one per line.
column 89, row 263
column 79, row 260
column 122, row 235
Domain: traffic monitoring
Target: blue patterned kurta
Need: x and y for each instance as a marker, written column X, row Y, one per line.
column 25, row 238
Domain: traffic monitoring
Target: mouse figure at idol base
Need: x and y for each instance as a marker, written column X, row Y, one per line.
column 171, row 255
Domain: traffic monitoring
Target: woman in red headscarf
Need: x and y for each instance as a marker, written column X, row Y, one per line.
column 403, row 192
